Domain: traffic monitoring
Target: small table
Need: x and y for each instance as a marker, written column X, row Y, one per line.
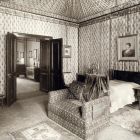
column 137, row 90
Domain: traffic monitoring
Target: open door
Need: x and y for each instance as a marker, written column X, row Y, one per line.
column 57, row 80
column 45, row 65
column 51, row 76
column 10, row 69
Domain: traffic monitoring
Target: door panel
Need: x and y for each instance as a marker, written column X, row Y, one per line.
column 51, row 75
column 57, row 80
column 45, row 65
column 44, row 82
column 10, row 69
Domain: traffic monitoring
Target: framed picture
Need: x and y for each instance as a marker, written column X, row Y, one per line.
column 128, row 48
column 21, row 54
column 30, row 54
column 67, row 51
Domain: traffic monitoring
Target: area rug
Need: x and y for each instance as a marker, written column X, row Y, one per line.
column 41, row 131
column 127, row 118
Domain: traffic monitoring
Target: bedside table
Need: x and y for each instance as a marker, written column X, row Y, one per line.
column 137, row 90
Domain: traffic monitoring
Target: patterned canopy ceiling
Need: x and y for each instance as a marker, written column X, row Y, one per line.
column 77, row 10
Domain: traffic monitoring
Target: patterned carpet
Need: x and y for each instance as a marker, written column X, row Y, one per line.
column 128, row 118
column 41, row 131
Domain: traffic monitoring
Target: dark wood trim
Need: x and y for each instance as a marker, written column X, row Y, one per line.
column 25, row 35
column 125, row 76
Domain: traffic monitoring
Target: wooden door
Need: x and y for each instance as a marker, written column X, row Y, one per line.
column 10, row 69
column 51, row 77
column 57, row 80
column 45, row 65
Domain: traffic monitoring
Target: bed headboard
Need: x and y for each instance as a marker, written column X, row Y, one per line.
column 125, row 76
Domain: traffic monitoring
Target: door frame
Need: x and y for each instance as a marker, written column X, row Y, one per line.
column 25, row 36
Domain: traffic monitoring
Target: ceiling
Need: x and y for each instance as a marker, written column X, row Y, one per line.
column 77, row 10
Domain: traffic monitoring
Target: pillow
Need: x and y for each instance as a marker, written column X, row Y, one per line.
column 76, row 90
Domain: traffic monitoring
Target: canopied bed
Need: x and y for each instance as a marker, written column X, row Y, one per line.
column 122, row 86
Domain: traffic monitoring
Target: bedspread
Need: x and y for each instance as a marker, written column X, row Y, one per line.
column 121, row 94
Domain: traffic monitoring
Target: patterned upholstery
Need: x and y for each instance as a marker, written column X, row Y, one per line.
column 67, row 112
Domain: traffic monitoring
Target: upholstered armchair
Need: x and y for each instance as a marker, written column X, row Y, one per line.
column 83, row 119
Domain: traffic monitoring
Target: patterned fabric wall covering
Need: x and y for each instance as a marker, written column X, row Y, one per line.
column 94, row 46
column 22, row 22
column 98, row 42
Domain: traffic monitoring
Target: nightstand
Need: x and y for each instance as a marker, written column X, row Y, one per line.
column 137, row 91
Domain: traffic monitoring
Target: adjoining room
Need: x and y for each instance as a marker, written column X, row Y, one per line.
column 28, row 67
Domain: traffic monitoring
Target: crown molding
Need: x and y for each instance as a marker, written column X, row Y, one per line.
column 37, row 14
column 114, row 12
column 23, row 14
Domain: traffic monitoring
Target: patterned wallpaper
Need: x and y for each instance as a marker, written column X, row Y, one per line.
column 16, row 21
column 94, row 46
column 98, row 41
column 121, row 26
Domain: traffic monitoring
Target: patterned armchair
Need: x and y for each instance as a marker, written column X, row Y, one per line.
column 82, row 119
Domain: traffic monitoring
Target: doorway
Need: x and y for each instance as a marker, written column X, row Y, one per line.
column 27, row 67
column 34, row 64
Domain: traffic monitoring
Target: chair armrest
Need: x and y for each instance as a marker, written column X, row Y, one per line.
column 95, row 109
column 58, row 95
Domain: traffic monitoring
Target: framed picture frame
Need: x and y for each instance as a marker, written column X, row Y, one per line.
column 127, row 48
column 21, row 54
column 67, row 51
column 30, row 54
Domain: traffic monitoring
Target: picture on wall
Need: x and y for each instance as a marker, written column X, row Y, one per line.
column 127, row 48
column 21, row 54
column 30, row 54
column 67, row 51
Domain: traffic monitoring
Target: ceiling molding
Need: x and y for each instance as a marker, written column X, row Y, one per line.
column 111, row 10
column 36, row 17
column 35, row 11
column 113, row 14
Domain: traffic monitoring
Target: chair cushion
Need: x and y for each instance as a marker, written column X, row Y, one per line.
column 68, row 110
